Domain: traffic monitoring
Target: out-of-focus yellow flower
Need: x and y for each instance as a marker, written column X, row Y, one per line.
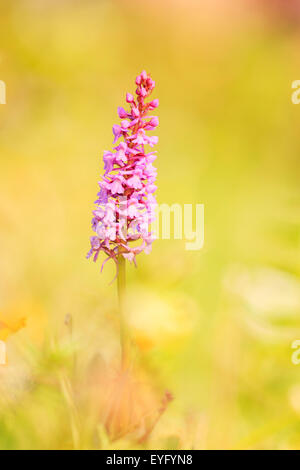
column 10, row 326
column 156, row 320
column 24, row 312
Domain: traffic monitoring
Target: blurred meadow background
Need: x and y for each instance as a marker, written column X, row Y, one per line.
column 212, row 329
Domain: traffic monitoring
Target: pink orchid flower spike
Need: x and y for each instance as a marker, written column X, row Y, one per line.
column 126, row 201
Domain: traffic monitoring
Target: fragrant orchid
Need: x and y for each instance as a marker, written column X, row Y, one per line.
column 126, row 203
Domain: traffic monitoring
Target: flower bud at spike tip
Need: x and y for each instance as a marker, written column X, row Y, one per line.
column 129, row 98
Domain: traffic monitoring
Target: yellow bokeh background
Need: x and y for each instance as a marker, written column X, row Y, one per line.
column 214, row 326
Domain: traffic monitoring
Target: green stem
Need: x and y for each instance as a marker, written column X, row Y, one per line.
column 66, row 388
column 121, row 297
